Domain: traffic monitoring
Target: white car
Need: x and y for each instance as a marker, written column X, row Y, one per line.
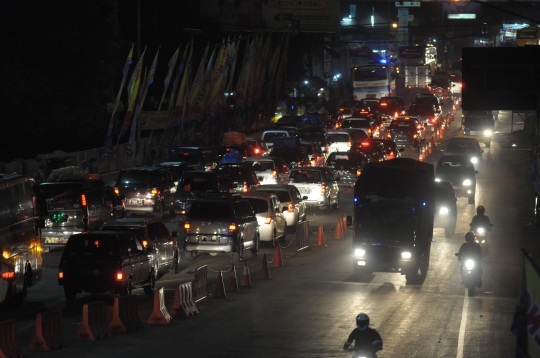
column 319, row 185
column 292, row 202
column 342, row 140
column 267, row 208
column 268, row 137
column 269, row 170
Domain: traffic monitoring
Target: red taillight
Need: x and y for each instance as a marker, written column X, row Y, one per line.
column 434, row 120
column 384, row 104
column 119, row 276
column 83, row 200
column 415, row 136
column 365, row 144
column 60, row 274
column 232, row 227
column 96, row 243
column 389, row 135
column 257, row 150
column 117, row 191
column 396, row 114
column 369, row 130
column 187, row 226
column 323, row 188
column 9, row 274
column 268, row 220
column 154, row 191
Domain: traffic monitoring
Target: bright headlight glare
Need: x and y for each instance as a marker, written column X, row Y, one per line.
column 359, row 252
column 469, row 264
column 480, row 230
column 467, row 182
column 488, row 132
column 406, row 255
column 474, row 160
column 437, row 179
column 443, row 210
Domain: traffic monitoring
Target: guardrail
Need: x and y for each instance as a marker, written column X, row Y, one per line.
column 199, row 284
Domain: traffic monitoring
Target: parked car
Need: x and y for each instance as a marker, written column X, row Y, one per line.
column 269, row 170
column 272, row 222
column 347, row 166
column 445, row 208
column 146, row 190
column 201, row 158
column 292, row 202
column 153, row 234
column 75, row 206
column 106, row 261
column 225, row 224
column 318, row 184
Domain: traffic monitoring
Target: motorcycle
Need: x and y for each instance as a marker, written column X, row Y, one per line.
column 480, row 233
column 367, row 352
column 470, row 275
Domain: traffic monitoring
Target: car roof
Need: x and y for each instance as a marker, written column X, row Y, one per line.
column 454, row 157
column 286, row 187
column 254, row 194
column 130, row 221
column 116, row 234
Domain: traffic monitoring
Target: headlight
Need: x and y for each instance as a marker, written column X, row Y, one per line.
column 488, row 133
column 359, row 252
column 406, row 255
column 469, row 264
column 474, row 160
column 480, row 230
column 467, row 182
column 443, row 210
column 437, row 179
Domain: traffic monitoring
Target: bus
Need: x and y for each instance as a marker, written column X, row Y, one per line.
column 373, row 81
column 21, row 207
column 527, row 36
column 421, row 55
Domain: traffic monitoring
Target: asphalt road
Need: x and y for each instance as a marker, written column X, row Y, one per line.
column 307, row 308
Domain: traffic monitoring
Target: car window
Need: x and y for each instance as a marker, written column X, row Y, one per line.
column 260, row 166
column 136, row 230
column 213, row 211
column 305, row 176
column 198, row 182
column 337, row 137
column 258, row 205
column 282, row 195
column 153, row 232
column 163, row 231
column 270, row 136
column 297, row 194
column 463, row 147
column 59, row 196
column 240, row 211
column 275, row 204
column 193, row 158
column 92, row 246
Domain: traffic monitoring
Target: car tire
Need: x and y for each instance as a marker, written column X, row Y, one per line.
column 240, row 251
column 69, row 293
column 255, row 249
column 149, row 289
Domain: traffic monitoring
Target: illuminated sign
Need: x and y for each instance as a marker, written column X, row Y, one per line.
column 461, row 16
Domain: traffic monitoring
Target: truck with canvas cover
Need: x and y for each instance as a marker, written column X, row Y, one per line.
column 394, row 207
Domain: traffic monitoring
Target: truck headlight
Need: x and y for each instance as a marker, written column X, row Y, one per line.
column 437, row 179
column 488, row 133
column 443, row 210
column 406, row 255
column 480, row 230
column 467, row 182
column 474, row 160
column 469, row 264
column 359, row 253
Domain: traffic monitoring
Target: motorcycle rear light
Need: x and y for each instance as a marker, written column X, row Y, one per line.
column 232, row 227
column 268, row 220
column 83, row 200
column 187, row 226
column 119, row 276
column 60, row 274
column 117, row 192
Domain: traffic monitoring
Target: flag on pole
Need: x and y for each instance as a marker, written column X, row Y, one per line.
column 133, row 89
column 107, row 148
column 198, row 82
column 526, row 323
column 217, row 84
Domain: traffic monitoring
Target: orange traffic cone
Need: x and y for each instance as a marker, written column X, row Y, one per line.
column 265, row 271
column 220, row 287
column 233, row 282
column 320, row 237
column 430, row 148
column 278, row 262
column 423, row 151
column 438, row 135
column 246, row 280
column 420, row 157
column 339, row 234
column 454, row 109
column 345, row 228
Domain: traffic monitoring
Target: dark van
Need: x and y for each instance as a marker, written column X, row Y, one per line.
column 106, row 261
column 199, row 183
column 200, row 158
column 77, row 206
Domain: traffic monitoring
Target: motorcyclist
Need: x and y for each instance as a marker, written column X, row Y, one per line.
column 472, row 250
column 480, row 220
column 365, row 339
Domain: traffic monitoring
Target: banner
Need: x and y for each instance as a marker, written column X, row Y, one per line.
column 217, row 84
column 198, row 83
column 107, row 148
column 153, row 119
column 133, row 89
column 526, row 324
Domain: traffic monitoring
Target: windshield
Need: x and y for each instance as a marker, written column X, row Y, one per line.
column 441, row 194
column 421, row 110
column 270, row 136
column 282, row 195
column 136, row 230
column 427, row 100
column 357, row 123
column 305, row 176
column 198, row 183
column 370, row 74
column 339, row 159
column 450, row 164
column 478, row 121
column 134, row 177
column 259, row 205
column 62, row 196
column 463, row 147
column 383, row 220
column 341, row 137
column 402, row 125
column 260, row 166
column 235, row 173
column 189, row 157
column 211, row 211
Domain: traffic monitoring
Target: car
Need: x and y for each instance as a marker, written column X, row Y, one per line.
column 272, row 222
column 155, row 234
column 221, row 224
column 106, row 261
column 391, row 149
column 374, row 115
column 176, row 169
column 319, row 185
column 441, row 88
column 268, row 136
column 391, row 107
column 445, row 208
column 405, row 132
column 200, row 183
column 430, row 99
column 342, row 140
column 201, row 158
column 244, row 149
column 345, row 112
column 426, row 112
column 374, row 151
column 315, row 121
column 269, row 170
column 312, row 135
column 243, row 178
column 347, row 165
column 465, row 146
column 258, row 145
column 292, row 202
column 146, row 190
column 479, row 125
column 315, row 153
column 460, row 172
column 291, row 151
column 365, row 124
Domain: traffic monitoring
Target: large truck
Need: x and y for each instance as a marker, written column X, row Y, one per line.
column 417, row 77
column 394, row 208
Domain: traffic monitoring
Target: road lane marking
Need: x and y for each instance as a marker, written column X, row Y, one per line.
column 461, row 338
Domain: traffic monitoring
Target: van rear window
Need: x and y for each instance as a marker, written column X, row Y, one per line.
column 91, row 247
column 134, row 177
column 189, row 157
column 62, row 196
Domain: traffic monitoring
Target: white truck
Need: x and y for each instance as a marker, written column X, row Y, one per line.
column 417, row 77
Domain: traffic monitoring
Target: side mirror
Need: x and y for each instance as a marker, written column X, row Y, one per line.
column 476, row 172
column 304, row 198
column 349, row 220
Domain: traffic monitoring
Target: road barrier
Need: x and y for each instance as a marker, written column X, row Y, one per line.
column 430, row 148
column 126, row 314
column 278, row 261
column 199, row 284
column 9, row 343
column 48, row 336
column 302, row 235
column 159, row 314
column 94, row 324
column 182, row 305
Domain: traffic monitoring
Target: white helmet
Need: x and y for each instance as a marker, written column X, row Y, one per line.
column 362, row 321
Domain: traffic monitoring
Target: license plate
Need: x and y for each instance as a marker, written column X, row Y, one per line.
column 55, row 240
column 135, row 201
column 305, row 190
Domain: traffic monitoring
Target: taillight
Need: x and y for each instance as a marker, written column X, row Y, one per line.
column 154, row 191
column 187, row 226
column 359, row 172
column 415, row 136
column 8, row 274
column 245, row 188
column 257, row 150
column 232, row 227
column 83, row 200
column 349, row 144
column 290, row 208
column 144, row 243
column 274, row 172
column 369, row 130
column 396, row 114
column 119, row 276
column 117, row 191
column 60, row 274
column 391, row 152
column 323, row 188
column 268, row 220
column 389, row 135
column 434, row 120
